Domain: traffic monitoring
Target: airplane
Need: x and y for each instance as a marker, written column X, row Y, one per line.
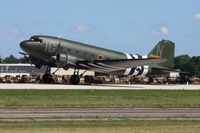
column 43, row 50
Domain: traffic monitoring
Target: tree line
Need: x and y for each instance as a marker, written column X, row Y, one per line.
column 183, row 62
column 13, row 59
column 188, row 64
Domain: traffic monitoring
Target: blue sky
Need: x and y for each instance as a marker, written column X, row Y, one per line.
column 132, row 26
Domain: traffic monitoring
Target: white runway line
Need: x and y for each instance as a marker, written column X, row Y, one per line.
column 100, row 87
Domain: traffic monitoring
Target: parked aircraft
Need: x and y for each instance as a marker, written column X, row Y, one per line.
column 62, row 53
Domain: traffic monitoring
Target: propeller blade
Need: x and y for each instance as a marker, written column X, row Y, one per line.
column 25, row 54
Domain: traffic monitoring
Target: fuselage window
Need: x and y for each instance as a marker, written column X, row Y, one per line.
column 100, row 57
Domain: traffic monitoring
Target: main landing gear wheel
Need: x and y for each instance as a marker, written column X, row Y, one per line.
column 47, row 77
column 75, row 79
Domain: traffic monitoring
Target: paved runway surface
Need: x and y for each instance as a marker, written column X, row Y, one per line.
column 107, row 86
column 98, row 114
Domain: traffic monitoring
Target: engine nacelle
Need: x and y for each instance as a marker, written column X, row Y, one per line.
column 61, row 58
column 140, row 70
column 64, row 60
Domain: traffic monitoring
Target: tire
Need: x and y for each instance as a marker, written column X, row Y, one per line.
column 47, row 78
column 74, row 80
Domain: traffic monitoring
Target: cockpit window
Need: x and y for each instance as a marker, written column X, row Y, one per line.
column 36, row 39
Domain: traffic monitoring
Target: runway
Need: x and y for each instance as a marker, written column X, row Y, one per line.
column 105, row 87
column 99, row 114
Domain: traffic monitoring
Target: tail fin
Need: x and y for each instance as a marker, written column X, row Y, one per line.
column 164, row 49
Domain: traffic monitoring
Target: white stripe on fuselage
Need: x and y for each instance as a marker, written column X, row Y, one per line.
column 135, row 56
column 128, row 56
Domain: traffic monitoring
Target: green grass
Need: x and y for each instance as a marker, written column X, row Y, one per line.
column 101, row 127
column 99, row 98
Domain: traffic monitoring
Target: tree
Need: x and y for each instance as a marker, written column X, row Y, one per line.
column 11, row 59
column 1, row 60
column 24, row 60
column 196, row 61
column 181, row 62
column 187, row 64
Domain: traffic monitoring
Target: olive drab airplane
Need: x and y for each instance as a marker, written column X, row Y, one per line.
column 62, row 53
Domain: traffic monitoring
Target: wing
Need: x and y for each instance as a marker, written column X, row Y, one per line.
column 117, row 64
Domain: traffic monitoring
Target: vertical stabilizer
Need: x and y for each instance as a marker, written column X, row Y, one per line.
column 164, row 49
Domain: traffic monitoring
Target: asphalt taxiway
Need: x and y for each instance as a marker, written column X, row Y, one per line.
column 99, row 114
column 105, row 87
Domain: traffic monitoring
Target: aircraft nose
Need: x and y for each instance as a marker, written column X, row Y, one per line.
column 24, row 44
column 27, row 46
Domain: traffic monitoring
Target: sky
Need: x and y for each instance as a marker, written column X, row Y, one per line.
column 132, row 26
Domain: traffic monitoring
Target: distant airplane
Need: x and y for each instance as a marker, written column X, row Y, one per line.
column 61, row 53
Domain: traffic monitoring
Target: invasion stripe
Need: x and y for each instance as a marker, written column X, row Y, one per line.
column 128, row 70
column 139, row 56
column 146, row 70
column 141, row 70
column 135, row 56
column 132, row 71
column 128, row 56
column 136, row 72
column 132, row 56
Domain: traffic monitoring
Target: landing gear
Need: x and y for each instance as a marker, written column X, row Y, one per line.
column 47, row 77
column 75, row 79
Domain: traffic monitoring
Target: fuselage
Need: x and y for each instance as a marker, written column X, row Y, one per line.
column 58, row 52
column 62, row 53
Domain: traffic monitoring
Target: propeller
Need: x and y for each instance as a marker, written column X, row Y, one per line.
column 25, row 55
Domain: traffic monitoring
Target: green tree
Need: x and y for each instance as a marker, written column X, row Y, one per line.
column 1, row 60
column 196, row 61
column 187, row 64
column 181, row 62
column 24, row 60
column 11, row 59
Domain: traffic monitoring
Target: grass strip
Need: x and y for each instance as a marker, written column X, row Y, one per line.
column 99, row 98
column 129, row 126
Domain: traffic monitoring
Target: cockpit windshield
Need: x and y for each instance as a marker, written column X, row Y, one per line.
column 35, row 39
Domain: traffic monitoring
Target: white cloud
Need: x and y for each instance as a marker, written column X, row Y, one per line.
column 162, row 31
column 82, row 28
column 196, row 17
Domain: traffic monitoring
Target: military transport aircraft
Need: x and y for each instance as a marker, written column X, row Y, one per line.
column 61, row 53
